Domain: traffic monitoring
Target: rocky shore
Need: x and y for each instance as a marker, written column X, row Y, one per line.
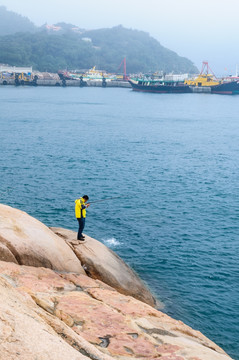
column 63, row 300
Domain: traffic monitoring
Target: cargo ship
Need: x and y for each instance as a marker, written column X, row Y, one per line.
column 226, row 88
column 229, row 86
column 206, row 81
column 159, row 86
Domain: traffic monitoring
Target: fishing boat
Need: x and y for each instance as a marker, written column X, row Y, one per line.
column 203, row 80
column 206, row 78
column 206, row 81
column 85, row 75
column 159, row 86
column 226, row 88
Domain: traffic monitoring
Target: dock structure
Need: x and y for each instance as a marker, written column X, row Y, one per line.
column 14, row 75
column 5, row 81
column 65, row 83
column 201, row 89
column 112, row 83
column 88, row 83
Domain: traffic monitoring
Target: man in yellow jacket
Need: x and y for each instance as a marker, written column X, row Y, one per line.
column 80, row 211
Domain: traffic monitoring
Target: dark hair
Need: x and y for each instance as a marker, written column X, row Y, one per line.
column 86, row 197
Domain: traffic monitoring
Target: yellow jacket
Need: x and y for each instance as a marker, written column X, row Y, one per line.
column 80, row 209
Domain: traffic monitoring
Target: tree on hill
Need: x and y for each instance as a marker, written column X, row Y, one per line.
column 143, row 52
column 104, row 48
column 46, row 52
column 11, row 23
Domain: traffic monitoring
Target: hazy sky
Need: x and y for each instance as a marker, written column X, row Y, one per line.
column 197, row 29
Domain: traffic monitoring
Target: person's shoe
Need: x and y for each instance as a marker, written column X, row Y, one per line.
column 82, row 238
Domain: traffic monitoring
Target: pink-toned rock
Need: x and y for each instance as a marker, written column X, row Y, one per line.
column 91, row 316
column 86, row 314
column 127, row 345
column 103, row 264
column 27, row 332
column 85, row 282
column 24, row 335
column 168, row 349
column 171, row 357
column 27, row 241
column 36, row 279
column 65, row 314
column 125, row 304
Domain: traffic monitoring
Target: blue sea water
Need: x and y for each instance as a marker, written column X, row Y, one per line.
column 173, row 159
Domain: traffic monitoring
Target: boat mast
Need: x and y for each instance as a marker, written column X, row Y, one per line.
column 124, row 62
column 206, row 67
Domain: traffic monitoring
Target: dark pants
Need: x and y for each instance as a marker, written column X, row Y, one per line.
column 81, row 222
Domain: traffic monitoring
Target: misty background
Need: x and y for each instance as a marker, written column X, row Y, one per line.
column 197, row 29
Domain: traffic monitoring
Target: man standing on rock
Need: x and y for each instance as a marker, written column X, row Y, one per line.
column 80, row 211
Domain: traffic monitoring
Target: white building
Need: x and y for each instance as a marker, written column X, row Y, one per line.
column 15, row 69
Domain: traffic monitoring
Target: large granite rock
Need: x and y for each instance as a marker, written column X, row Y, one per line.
column 28, row 332
column 102, row 263
column 26, row 241
column 48, row 315
column 68, row 315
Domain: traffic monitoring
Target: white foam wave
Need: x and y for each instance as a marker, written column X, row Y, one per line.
column 111, row 242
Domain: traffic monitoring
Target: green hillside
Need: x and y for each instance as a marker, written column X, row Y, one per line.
column 143, row 53
column 11, row 23
column 23, row 44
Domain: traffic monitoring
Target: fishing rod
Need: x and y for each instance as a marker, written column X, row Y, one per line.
column 112, row 198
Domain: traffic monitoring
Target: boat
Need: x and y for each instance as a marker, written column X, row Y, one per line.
column 85, row 75
column 159, row 86
column 202, row 80
column 206, row 78
column 226, row 88
column 206, row 81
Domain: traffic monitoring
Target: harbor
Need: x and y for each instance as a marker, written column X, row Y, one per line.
column 205, row 82
column 158, row 82
column 20, row 76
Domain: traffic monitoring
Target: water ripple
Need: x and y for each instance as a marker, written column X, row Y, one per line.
column 176, row 159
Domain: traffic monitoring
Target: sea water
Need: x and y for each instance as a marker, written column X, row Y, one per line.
column 173, row 158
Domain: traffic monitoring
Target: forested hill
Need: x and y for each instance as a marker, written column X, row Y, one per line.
column 143, row 52
column 10, row 22
column 65, row 46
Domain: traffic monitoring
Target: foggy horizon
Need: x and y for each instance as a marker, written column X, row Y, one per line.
column 192, row 28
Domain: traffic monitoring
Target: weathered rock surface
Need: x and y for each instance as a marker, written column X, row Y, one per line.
column 49, row 315
column 67, row 315
column 101, row 263
column 27, row 332
column 26, row 241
